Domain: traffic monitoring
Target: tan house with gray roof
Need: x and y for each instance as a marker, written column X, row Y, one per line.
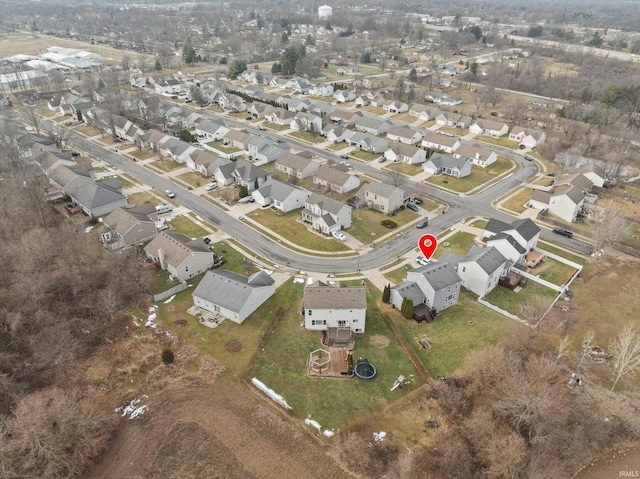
column 180, row 255
column 296, row 166
column 125, row 227
column 335, row 306
column 335, row 180
column 383, row 197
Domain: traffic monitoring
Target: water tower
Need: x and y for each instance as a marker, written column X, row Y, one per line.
column 325, row 12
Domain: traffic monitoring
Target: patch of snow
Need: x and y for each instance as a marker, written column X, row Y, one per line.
column 310, row 422
column 270, row 392
column 328, row 433
column 379, row 436
column 170, row 299
column 309, row 280
column 134, row 409
column 268, row 271
column 88, row 229
column 151, row 319
column 298, row 280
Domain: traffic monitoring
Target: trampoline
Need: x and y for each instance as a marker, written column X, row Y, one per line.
column 364, row 369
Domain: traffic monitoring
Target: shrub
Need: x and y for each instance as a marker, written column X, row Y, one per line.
column 167, row 356
column 389, row 224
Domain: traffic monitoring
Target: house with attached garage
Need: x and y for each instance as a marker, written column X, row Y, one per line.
column 513, row 240
column 527, row 136
column 404, row 134
column 439, row 141
column 479, row 155
column 367, row 142
column 594, row 172
column 259, row 110
column 223, row 173
column 249, row 175
column 566, row 198
column 232, row 295
column 423, row 112
column 343, row 96
column 430, row 288
column 454, row 120
column 373, row 126
column 280, row 116
column 489, row 127
column 296, row 166
column 321, row 89
column 396, row 107
column 298, row 85
column 346, row 117
column 125, row 227
column 334, row 306
column 181, row 256
column 210, row 130
column 306, row 122
column 237, row 139
column 401, row 152
column 482, row 269
column 166, row 86
column 336, row 133
column 176, row 149
column 332, row 179
column 232, row 103
column 440, row 164
column 383, row 197
column 281, row 196
column 202, row 162
column 326, row 215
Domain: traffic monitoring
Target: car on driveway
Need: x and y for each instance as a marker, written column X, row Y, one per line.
column 413, row 207
column 423, row 224
column 563, row 232
column 169, row 194
column 422, row 261
column 339, row 235
column 382, row 159
column 211, row 186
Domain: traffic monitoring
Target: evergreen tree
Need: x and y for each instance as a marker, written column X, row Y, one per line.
column 386, row 294
column 406, row 309
column 158, row 65
column 189, row 54
column 236, row 67
column 243, row 191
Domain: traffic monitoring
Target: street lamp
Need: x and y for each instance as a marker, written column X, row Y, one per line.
column 357, row 264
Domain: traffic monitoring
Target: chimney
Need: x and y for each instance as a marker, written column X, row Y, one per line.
column 161, row 258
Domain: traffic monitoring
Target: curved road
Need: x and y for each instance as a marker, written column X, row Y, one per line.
column 460, row 207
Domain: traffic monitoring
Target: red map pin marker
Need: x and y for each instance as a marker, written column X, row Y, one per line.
column 428, row 245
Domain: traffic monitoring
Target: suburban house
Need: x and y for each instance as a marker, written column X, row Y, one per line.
column 455, row 120
column 95, row 198
column 176, row 149
column 280, row 116
column 593, row 172
column 442, row 99
column 237, row 139
column 321, row 89
column 430, row 288
column 489, row 127
column 180, row 255
column 347, row 70
column 320, row 108
column 166, row 86
column 264, row 150
column 367, row 142
column 566, row 198
column 296, row 166
column 440, row 141
column 342, row 96
column 259, row 110
column 479, row 155
column 527, row 137
column 306, row 122
column 401, row 152
column 336, row 133
column 396, row 107
column 335, row 306
column 332, row 179
column 208, row 130
column 383, row 197
column 513, row 240
column 346, row 117
column 298, row 85
column 439, row 163
column 482, row 269
column 125, row 227
column 423, row 112
column 249, row 175
column 293, row 104
column 223, row 174
column 281, row 196
column 374, row 126
column 205, row 163
column 232, row 295
column 404, row 134
column 326, row 215
column 232, row 103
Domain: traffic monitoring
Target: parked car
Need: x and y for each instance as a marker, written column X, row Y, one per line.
column 417, row 201
column 249, row 118
column 563, row 232
column 413, row 207
column 211, row 186
column 528, row 158
column 344, row 157
column 382, row 159
column 422, row 261
column 423, row 224
column 188, row 101
column 339, row 235
column 246, row 199
column 345, row 163
column 164, row 208
column 552, row 173
column 169, row 194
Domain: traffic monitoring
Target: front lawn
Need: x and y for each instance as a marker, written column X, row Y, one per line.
column 366, row 227
column 182, row 224
column 451, row 335
column 517, row 202
column 365, row 155
column 142, row 154
column 194, row 179
column 87, row 130
column 503, row 141
column 123, row 181
column 141, row 198
column 289, row 227
column 334, row 403
column 166, row 165
column 338, row 146
column 459, row 243
column 306, row 136
column 404, row 168
column 453, row 130
column 478, row 176
column 405, row 117
column 217, row 145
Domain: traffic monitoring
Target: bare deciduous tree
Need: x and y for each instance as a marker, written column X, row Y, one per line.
column 607, row 222
column 625, row 351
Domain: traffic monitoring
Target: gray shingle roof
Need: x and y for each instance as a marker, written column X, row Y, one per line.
column 322, row 296
column 410, row 290
column 439, row 275
column 230, row 290
column 489, row 259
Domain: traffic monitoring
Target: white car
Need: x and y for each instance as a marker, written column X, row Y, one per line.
column 422, row 261
column 169, row 194
column 211, row 186
column 339, row 235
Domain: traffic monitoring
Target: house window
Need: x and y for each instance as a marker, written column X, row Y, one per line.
column 342, row 323
column 309, row 312
column 464, row 268
column 450, row 297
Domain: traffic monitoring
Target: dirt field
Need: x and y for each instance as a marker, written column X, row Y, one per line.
column 195, row 429
column 620, row 463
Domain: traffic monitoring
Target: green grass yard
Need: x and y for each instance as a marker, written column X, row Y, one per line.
column 366, row 227
column 166, row 165
column 479, row 176
column 182, row 224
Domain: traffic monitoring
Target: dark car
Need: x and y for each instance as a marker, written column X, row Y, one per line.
column 563, row 232
column 413, row 207
column 423, row 224
column 528, row 158
column 552, row 174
